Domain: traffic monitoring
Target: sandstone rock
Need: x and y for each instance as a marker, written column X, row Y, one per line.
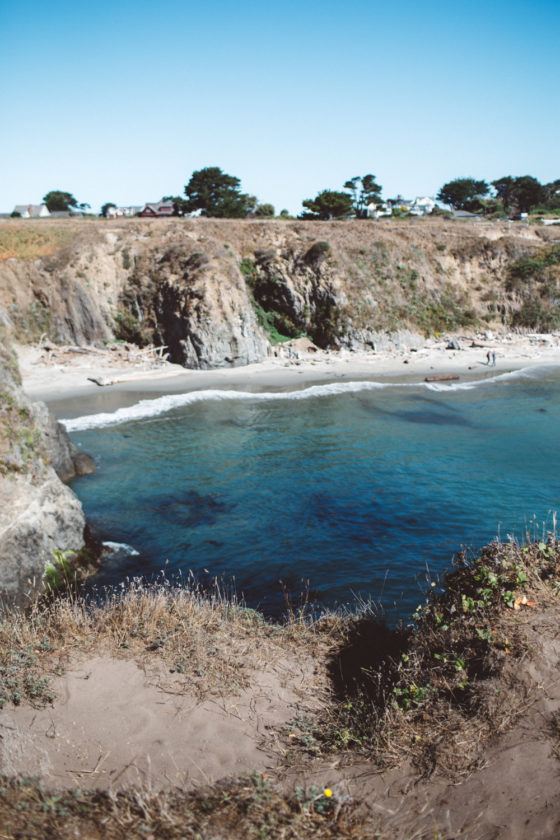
column 217, row 292
column 37, row 516
column 38, row 513
column 83, row 463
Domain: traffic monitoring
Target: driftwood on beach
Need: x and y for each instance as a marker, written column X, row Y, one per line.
column 442, row 377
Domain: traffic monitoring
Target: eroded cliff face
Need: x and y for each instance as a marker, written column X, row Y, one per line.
column 221, row 293
column 39, row 515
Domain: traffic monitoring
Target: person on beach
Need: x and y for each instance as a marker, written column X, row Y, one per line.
column 488, row 358
column 493, row 354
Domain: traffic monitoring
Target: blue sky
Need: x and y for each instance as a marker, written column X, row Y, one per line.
column 120, row 101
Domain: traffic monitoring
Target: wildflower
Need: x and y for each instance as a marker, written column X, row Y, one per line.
column 328, row 793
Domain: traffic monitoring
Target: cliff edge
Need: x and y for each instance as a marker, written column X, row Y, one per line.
column 222, row 293
column 39, row 515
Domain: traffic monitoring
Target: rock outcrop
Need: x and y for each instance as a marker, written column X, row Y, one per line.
column 39, row 515
column 220, row 293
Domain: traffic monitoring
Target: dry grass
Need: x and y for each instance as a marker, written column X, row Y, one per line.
column 434, row 692
column 25, row 241
column 248, row 808
column 212, row 641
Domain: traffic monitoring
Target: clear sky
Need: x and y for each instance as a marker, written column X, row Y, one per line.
column 120, row 101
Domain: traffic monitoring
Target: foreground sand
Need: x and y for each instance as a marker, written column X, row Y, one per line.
column 475, row 757
column 67, row 372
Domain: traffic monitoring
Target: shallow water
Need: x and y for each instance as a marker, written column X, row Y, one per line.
column 358, row 488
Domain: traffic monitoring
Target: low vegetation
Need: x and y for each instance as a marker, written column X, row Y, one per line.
column 247, row 808
column 439, row 689
column 535, row 279
column 22, row 241
column 433, row 692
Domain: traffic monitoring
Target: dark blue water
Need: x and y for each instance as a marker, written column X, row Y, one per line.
column 358, row 493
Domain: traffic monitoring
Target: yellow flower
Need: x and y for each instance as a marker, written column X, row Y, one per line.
column 328, row 793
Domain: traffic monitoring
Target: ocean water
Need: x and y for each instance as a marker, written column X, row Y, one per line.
column 345, row 491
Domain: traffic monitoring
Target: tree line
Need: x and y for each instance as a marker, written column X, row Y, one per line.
column 214, row 193
column 508, row 195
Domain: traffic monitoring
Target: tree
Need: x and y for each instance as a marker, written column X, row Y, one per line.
column 179, row 204
column 57, row 200
column 264, row 211
column 519, row 194
column 552, row 195
column 463, row 194
column 328, row 204
column 105, row 207
column 365, row 190
column 217, row 194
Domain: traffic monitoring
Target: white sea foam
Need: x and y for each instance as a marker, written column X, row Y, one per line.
column 469, row 385
column 121, row 548
column 152, row 408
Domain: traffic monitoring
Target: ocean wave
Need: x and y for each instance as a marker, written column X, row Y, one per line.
column 469, row 385
column 121, row 548
column 146, row 409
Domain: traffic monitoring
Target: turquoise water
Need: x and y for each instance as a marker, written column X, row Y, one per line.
column 367, row 492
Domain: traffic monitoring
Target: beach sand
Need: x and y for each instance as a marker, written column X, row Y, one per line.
column 63, row 377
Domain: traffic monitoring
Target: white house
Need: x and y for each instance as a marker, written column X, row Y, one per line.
column 31, row 211
column 376, row 211
column 422, row 206
column 116, row 212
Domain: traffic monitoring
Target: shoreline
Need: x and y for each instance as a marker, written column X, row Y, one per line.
column 67, row 388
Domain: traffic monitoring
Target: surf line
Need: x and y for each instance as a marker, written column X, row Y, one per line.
column 146, row 409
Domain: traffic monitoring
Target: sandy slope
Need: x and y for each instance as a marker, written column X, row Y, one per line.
column 115, row 724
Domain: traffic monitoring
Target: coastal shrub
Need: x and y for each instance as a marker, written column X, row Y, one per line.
column 533, row 268
column 317, row 253
column 248, row 269
column 537, row 314
column 277, row 326
column 437, row 690
column 433, row 314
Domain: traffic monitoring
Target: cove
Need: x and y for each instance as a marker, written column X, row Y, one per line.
column 354, row 490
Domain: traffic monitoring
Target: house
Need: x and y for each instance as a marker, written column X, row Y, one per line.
column 118, row 212
column 376, row 211
column 31, row 211
column 400, row 203
column 158, row 209
column 422, row 206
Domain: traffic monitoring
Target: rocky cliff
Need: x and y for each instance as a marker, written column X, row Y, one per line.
column 221, row 293
column 39, row 515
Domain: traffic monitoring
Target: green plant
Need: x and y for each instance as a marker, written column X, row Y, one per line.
column 248, row 269
column 319, row 800
column 58, row 572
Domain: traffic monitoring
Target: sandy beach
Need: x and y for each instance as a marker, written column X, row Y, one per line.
column 64, row 376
